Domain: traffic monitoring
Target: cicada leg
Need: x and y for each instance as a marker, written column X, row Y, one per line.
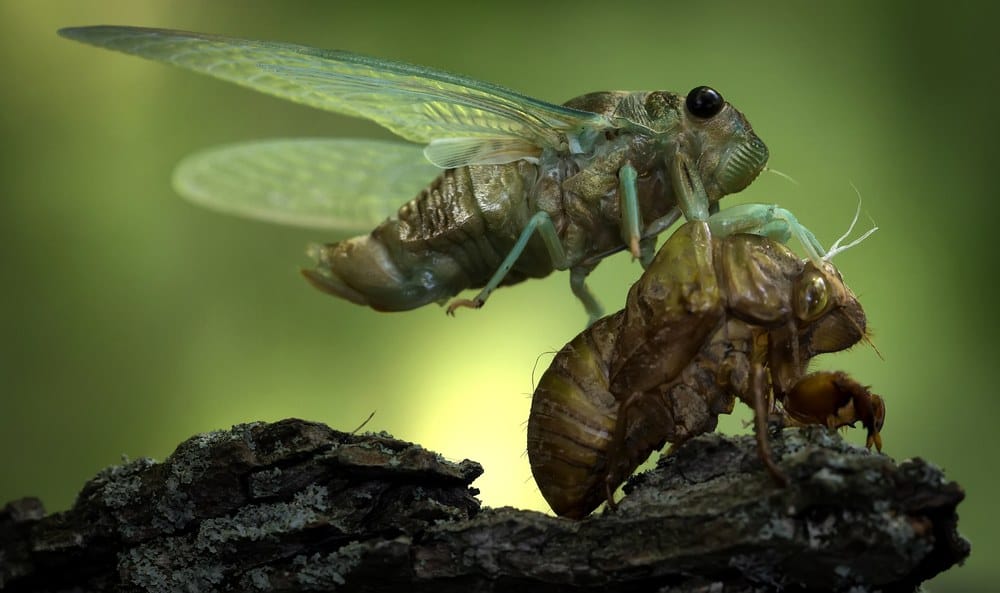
column 647, row 243
column 761, row 413
column 628, row 194
column 578, row 284
column 834, row 399
column 616, row 450
column 692, row 199
column 769, row 221
column 654, row 228
column 542, row 223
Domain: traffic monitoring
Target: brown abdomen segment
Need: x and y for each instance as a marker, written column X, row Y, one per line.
column 572, row 447
column 451, row 237
column 572, row 422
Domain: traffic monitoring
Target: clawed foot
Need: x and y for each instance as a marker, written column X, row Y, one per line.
column 457, row 303
column 609, row 491
column 779, row 477
column 834, row 399
column 633, row 247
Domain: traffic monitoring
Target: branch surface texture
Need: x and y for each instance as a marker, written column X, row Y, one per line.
column 298, row 506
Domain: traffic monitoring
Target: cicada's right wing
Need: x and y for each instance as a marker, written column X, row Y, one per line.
column 338, row 184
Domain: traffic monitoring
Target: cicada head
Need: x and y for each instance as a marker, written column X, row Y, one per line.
column 716, row 136
column 830, row 317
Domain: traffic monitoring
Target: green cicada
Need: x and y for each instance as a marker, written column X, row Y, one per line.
column 501, row 187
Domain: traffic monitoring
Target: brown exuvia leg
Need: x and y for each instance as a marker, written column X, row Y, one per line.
column 760, row 413
column 616, row 452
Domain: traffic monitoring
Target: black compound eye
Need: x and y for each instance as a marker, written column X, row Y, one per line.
column 705, row 102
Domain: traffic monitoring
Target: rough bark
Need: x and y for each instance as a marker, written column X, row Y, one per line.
column 297, row 506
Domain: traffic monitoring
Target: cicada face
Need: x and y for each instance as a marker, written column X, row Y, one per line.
column 716, row 136
column 742, row 162
column 832, row 315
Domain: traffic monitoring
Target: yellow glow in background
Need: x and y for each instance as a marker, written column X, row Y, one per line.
column 130, row 320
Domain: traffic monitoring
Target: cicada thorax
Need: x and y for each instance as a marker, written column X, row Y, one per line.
column 595, row 179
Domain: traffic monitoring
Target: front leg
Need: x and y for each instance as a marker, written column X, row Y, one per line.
column 692, row 198
column 769, row 221
column 761, row 408
column 834, row 399
column 616, row 456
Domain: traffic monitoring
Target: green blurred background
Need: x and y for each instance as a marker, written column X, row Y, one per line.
column 131, row 319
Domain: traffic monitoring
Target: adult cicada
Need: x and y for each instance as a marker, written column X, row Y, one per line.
column 711, row 319
column 527, row 187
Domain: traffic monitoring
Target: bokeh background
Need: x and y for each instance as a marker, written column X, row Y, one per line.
column 130, row 319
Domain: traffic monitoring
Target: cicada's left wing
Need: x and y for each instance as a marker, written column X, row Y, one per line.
column 462, row 120
column 337, row 184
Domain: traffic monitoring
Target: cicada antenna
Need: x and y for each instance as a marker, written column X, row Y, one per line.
column 784, row 176
column 874, row 347
column 867, row 338
column 837, row 247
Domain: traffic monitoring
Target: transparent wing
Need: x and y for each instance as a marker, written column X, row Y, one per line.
column 420, row 104
column 340, row 184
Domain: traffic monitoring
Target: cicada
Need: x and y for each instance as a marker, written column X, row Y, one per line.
column 711, row 319
column 501, row 187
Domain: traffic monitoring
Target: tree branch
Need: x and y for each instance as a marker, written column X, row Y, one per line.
column 297, row 506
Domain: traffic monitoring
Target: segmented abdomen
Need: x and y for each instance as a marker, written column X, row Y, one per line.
column 572, row 445
column 451, row 237
column 472, row 215
column 572, row 421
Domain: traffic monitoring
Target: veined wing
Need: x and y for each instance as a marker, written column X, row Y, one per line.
column 340, row 184
column 420, row 104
